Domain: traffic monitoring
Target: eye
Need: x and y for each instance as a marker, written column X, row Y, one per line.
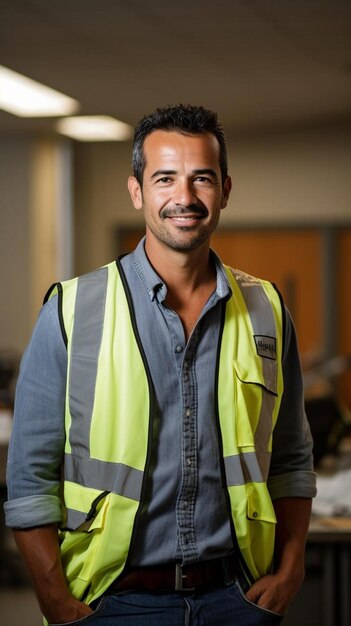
column 203, row 180
column 164, row 180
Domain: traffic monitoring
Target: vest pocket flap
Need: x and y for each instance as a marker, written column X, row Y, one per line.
column 260, row 508
column 96, row 514
column 94, row 517
column 267, row 378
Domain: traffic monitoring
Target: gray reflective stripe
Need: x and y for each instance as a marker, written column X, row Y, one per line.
column 261, row 317
column 244, row 468
column 86, row 341
column 263, row 324
column 104, row 475
column 79, row 468
column 258, row 305
column 262, row 320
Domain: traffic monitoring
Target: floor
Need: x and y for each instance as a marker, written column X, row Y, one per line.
column 18, row 607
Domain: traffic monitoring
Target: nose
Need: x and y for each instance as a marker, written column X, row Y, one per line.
column 184, row 193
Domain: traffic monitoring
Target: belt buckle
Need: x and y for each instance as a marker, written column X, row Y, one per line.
column 179, row 580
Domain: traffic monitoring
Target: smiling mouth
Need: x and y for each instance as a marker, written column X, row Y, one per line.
column 185, row 222
column 182, row 214
column 185, row 218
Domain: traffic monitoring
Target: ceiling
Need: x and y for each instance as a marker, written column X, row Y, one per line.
column 260, row 63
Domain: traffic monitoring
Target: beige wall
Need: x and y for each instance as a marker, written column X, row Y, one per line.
column 14, row 243
column 35, row 239
column 288, row 177
column 298, row 177
column 101, row 200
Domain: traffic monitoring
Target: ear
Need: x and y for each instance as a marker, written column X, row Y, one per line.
column 226, row 192
column 135, row 192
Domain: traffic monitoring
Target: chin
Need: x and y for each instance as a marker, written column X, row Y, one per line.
column 185, row 245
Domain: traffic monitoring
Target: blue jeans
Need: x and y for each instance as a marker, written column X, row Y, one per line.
column 226, row 606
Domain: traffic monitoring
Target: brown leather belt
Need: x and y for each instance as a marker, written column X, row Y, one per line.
column 217, row 572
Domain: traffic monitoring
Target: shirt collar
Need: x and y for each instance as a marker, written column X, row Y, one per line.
column 154, row 285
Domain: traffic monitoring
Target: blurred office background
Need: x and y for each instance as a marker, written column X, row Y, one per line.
column 279, row 74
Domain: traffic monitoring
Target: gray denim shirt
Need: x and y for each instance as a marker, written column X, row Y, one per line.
column 184, row 516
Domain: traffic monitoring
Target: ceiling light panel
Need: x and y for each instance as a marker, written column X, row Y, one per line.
column 25, row 97
column 94, row 128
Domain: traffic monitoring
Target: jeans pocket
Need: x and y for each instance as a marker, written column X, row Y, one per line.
column 83, row 620
column 276, row 617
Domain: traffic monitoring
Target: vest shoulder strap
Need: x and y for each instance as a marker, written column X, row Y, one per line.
column 89, row 286
column 251, row 287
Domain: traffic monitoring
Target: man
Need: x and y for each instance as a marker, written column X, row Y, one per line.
column 151, row 423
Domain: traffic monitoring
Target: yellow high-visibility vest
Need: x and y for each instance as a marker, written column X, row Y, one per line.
column 109, row 413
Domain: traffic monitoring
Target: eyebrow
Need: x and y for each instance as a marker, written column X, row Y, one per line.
column 163, row 173
column 197, row 172
column 207, row 171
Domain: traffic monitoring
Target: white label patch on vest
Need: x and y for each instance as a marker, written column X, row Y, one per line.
column 266, row 346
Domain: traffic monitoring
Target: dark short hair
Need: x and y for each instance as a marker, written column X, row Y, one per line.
column 181, row 118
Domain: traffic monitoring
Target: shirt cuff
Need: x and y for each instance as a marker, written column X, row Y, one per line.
column 31, row 511
column 300, row 484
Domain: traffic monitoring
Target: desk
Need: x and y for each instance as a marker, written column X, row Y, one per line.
column 333, row 538
column 324, row 599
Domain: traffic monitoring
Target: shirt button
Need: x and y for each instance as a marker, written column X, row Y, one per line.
column 255, row 514
column 179, row 348
column 188, row 462
column 188, row 412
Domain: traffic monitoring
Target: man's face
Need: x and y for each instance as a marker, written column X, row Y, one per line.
column 182, row 193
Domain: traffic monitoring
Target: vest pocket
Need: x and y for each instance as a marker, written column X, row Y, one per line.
column 267, row 378
column 259, row 504
column 254, row 521
column 80, row 539
column 255, row 399
column 93, row 503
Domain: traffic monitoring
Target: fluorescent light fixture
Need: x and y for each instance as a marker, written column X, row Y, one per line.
column 94, row 128
column 25, row 97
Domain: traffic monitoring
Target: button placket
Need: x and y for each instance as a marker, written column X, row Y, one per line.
column 187, row 493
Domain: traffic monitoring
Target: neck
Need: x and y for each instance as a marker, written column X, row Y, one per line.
column 190, row 278
column 182, row 271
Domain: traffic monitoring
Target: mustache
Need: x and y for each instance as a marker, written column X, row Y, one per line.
column 179, row 210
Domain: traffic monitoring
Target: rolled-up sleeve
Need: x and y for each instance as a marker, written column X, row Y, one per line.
column 291, row 472
column 38, row 434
